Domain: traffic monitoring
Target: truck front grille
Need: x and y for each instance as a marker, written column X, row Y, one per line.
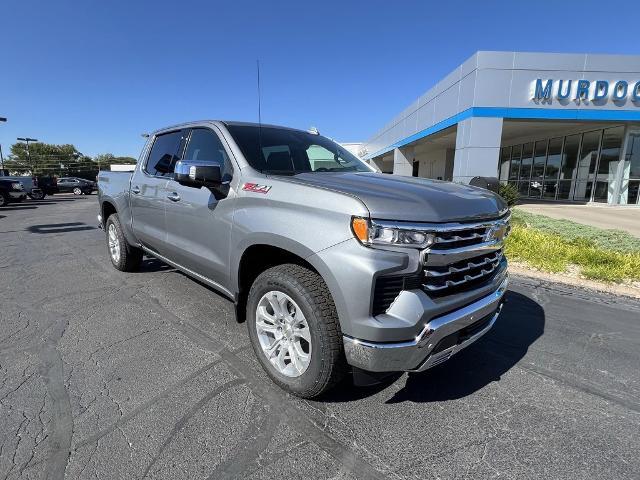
column 462, row 257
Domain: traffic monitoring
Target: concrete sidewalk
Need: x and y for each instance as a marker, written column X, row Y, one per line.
column 625, row 218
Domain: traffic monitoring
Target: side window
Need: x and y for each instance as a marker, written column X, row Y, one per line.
column 164, row 153
column 205, row 145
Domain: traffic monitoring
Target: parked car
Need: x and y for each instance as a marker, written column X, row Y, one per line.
column 333, row 266
column 30, row 184
column 75, row 185
column 11, row 191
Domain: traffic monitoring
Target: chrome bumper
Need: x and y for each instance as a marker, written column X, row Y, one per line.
column 18, row 194
column 436, row 343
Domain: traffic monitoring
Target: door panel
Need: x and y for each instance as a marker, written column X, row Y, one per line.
column 148, row 190
column 198, row 223
column 147, row 209
column 199, row 231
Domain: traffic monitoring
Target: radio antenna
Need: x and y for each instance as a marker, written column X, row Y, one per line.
column 260, row 153
column 259, row 99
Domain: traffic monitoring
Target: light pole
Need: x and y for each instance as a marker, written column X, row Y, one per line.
column 2, row 119
column 27, row 140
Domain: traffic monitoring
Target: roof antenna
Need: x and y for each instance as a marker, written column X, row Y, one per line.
column 259, row 112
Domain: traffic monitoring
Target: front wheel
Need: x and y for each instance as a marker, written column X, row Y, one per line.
column 294, row 330
column 3, row 200
column 77, row 191
column 124, row 257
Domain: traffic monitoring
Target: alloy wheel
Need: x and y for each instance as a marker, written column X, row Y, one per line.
column 283, row 333
column 114, row 243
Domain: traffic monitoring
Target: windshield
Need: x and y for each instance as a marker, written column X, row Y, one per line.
column 286, row 152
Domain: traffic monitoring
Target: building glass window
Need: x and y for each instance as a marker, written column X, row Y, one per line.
column 525, row 169
column 552, row 169
column 629, row 190
column 537, row 172
column 608, row 165
column 505, row 157
column 585, row 170
column 514, row 171
column 581, row 167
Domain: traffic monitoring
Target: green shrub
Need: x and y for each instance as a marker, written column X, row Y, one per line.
column 509, row 193
column 555, row 252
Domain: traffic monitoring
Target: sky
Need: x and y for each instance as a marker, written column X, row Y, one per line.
column 97, row 74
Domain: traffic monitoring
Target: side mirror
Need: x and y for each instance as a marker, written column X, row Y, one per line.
column 198, row 173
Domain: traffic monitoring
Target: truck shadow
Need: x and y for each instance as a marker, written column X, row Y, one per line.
column 49, row 228
column 520, row 324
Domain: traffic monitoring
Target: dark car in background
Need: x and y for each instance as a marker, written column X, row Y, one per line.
column 76, row 185
column 11, row 191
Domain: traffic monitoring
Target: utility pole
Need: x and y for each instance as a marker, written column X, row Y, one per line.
column 27, row 140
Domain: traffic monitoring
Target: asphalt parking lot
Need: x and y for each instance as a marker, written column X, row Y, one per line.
column 112, row 375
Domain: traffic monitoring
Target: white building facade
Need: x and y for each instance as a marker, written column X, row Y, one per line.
column 557, row 126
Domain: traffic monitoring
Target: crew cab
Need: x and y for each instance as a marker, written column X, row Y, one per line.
column 335, row 268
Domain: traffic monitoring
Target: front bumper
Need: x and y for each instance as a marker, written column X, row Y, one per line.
column 441, row 338
column 17, row 195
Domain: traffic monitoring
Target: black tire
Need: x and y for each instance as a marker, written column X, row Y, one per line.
column 327, row 364
column 129, row 257
column 4, row 200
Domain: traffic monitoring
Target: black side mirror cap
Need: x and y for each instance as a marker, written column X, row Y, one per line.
column 198, row 173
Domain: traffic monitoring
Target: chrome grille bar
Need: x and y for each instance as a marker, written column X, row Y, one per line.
column 467, row 278
column 470, row 265
column 458, row 238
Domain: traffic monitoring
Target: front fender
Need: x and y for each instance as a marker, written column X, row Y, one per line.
column 265, row 238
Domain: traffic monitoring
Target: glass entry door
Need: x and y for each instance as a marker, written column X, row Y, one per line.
column 586, row 168
column 630, row 186
column 609, row 165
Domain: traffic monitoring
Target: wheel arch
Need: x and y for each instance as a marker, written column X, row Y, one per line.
column 259, row 256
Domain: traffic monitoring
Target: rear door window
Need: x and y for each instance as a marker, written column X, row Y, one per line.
column 164, row 154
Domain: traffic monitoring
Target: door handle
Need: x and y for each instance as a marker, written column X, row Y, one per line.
column 174, row 197
column 135, row 189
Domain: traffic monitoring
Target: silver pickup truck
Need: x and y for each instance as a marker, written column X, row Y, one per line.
column 334, row 267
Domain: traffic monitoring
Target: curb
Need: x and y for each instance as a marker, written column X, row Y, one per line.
column 611, row 288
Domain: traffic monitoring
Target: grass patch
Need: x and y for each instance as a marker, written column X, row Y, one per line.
column 615, row 240
column 555, row 245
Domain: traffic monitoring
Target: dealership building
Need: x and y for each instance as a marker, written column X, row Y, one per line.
column 557, row 126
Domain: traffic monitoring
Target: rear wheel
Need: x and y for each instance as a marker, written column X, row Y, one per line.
column 294, row 330
column 124, row 257
column 77, row 191
column 3, row 200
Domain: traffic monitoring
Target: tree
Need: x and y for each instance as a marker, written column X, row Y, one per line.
column 58, row 160
column 47, row 158
column 105, row 159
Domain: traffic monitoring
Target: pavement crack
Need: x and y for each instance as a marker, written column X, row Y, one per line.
column 182, row 421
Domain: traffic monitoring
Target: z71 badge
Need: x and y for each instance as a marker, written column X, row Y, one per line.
column 256, row 188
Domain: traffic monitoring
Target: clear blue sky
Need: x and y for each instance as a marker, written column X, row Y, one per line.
column 99, row 73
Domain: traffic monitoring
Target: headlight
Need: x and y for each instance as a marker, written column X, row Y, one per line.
column 372, row 233
column 16, row 186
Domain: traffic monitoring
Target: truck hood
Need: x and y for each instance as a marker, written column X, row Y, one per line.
column 410, row 199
